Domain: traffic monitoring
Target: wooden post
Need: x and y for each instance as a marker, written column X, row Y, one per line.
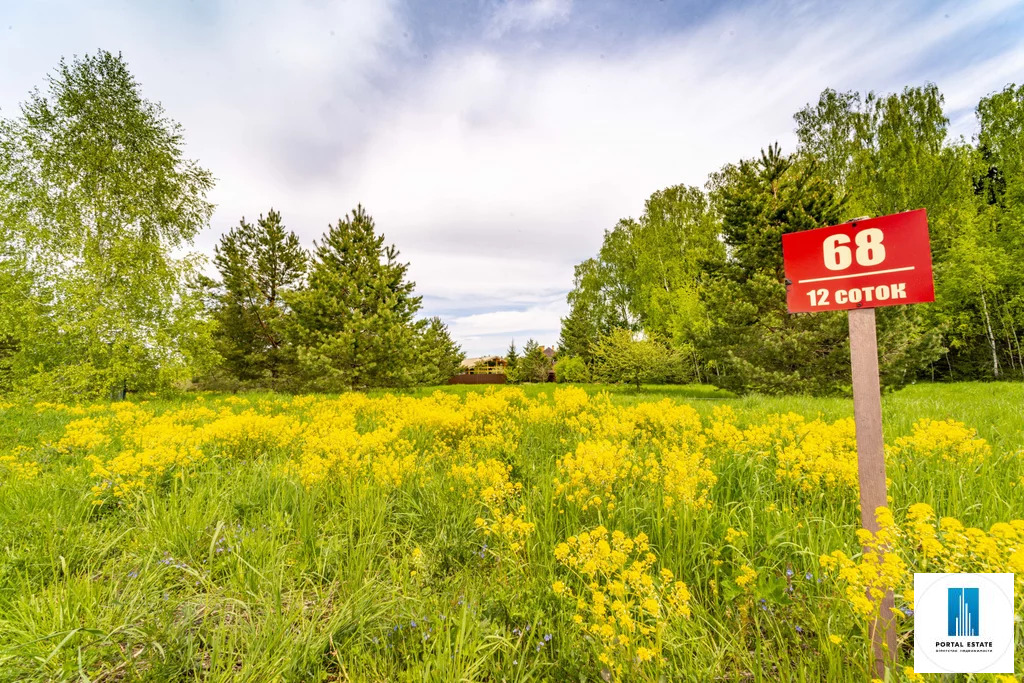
column 867, row 411
column 888, row 244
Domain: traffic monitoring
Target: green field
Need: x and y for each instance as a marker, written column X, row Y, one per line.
column 418, row 535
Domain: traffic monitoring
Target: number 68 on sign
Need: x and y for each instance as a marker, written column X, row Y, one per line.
column 862, row 264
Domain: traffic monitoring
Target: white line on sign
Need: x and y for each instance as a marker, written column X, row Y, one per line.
column 846, row 277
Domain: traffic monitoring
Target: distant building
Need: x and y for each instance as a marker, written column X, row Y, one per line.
column 495, row 368
column 549, row 353
column 484, row 365
column 481, row 370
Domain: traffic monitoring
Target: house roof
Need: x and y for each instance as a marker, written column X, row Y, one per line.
column 473, row 362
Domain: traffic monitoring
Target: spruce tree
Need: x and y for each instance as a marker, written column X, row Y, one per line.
column 353, row 324
column 533, row 365
column 437, row 355
column 755, row 343
column 578, row 335
column 258, row 265
column 512, row 356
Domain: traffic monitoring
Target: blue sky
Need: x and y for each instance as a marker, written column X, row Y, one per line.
column 494, row 141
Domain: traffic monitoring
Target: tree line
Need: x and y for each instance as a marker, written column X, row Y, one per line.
column 341, row 318
column 99, row 293
column 697, row 280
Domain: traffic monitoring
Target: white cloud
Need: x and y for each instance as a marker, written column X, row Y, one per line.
column 494, row 170
column 478, row 331
column 482, row 280
column 529, row 15
column 273, row 98
column 963, row 88
column 526, row 159
column 534, row 318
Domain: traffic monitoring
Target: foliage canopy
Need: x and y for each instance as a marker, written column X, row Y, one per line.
column 96, row 198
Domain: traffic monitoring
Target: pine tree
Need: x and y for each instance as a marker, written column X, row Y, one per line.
column 259, row 264
column 533, row 365
column 353, row 324
column 578, row 335
column 437, row 355
column 754, row 342
column 512, row 356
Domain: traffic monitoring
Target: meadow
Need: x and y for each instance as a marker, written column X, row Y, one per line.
column 521, row 533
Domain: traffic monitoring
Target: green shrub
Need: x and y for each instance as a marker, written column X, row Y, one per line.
column 620, row 358
column 572, row 369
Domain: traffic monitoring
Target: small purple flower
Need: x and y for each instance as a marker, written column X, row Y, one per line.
column 547, row 637
column 789, row 572
column 808, row 576
column 132, row 574
column 800, row 630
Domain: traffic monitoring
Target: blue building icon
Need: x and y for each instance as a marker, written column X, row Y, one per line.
column 963, row 612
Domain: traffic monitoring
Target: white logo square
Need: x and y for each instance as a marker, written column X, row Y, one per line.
column 963, row 623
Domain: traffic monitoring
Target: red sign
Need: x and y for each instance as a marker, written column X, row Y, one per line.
column 881, row 261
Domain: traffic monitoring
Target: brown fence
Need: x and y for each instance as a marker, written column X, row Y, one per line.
column 477, row 379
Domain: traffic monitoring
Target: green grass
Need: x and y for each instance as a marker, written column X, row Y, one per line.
column 229, row 571
column 623, row 392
